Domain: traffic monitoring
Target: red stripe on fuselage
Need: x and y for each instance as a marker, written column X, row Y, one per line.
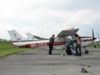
column 85, row 40
column 46, row 44
column 85, row 37
column 35, row 45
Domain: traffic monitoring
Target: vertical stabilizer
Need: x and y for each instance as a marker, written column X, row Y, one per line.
column 15, row 36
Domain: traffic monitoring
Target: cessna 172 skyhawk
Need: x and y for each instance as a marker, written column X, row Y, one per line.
column 19, row 41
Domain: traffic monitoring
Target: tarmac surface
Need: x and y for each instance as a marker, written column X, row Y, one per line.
column 38, row 62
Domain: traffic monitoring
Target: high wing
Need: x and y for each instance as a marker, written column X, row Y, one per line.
column 68, row 32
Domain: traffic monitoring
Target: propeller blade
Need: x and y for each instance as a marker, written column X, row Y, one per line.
column 93, row 33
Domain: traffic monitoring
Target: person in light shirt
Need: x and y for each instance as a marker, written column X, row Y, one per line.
column 78, row 45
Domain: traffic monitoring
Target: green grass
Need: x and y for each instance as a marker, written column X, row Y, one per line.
column 6, row 48
column 97, row 45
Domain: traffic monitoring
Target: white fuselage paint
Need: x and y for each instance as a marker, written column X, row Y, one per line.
column 43, row 43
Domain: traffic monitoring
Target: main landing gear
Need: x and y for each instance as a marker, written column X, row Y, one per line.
column 86, row 51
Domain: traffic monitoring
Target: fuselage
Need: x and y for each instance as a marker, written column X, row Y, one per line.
column 85, row 41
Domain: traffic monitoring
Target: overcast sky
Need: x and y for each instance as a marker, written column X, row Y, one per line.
column 47, row 17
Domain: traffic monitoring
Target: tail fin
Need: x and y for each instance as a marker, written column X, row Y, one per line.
column 30, row 36
column 15, row 36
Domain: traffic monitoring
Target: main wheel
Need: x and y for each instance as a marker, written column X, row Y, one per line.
column 86, row 52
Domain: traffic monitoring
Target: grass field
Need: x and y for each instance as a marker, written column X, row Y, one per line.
column 6, row 48
column 96, row 45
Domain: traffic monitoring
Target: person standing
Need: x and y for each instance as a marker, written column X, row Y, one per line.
column 51, row 42
column 78, row 45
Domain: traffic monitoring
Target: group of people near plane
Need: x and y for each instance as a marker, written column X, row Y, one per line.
column 69, row 44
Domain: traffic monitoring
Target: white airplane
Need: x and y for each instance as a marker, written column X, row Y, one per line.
column 19, row 41
column 31, row 37
column 34, row 37
column 97, row 41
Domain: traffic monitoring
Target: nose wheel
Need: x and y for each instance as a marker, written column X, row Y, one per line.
column 86, row 51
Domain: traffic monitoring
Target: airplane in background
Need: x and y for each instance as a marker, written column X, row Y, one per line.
column 19, row 41
column 97, row 41
column 34, row 37
column 31, row 37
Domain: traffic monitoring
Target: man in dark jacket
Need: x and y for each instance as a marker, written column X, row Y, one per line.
column 51, row 41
